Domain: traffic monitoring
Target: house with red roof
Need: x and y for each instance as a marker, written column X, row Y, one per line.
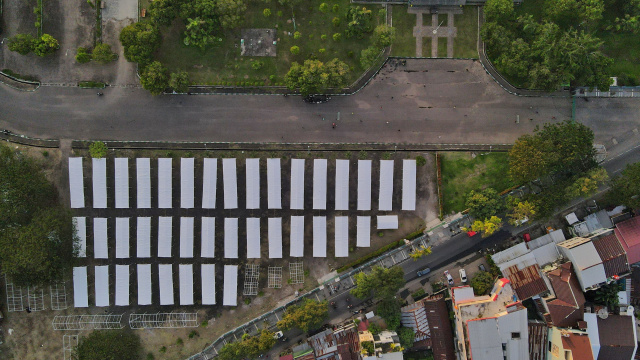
column 628, row 233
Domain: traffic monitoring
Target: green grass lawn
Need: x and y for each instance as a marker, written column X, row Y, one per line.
column 405, row 44
column 465, row 44
column 224, row 65
column 443, row 20
column 426, row 46
column 442, row 47
column 461, row 174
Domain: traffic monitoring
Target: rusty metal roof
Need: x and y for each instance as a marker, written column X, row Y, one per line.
column 538, row 334
column 612, row 253
column 527, row 282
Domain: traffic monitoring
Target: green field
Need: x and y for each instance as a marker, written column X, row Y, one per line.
column 461, row 173
column 465, row 44
column 405, row 44
column 224, row 64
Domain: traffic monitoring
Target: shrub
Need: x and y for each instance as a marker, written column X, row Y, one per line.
column 336, row 21
column 295, row 50
column 374, row 329
column 350, row 54
column 310, row 36
column 279, row 13
column 247, row 301
column 150, row 356
column 421, row 161
column 335, row 8
column 204, row 323
column 323, row 37
column 193, row 334
column 321, row 51
column 163, row 349
column 337, row 36
column 98, row 150
column 272, row 78
column 110, row 344
column 46, row 45
column 179, row 341
column 324, row 7
column 22, row 43
column 297, row 35
column 257, row 65
column 102, row 53
column 266, row 12
column 82, row 56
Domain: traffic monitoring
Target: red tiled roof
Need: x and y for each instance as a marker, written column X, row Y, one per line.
column 628, row 232
column 440, row 327
column 579, row 345
column 538, row 333
column 526, row 282
column 568, row 307
column 612, row 254
column 616, row 337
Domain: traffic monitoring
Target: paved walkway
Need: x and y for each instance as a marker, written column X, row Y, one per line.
column 434, row 31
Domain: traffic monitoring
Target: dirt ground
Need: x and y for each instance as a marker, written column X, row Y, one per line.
column 72, row 23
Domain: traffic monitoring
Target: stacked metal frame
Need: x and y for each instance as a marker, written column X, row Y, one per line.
column 99, row 183
column 230, row 180
column 253, row 238
column 208, row 237
column 385, row 197
column 364, row 185
column 320, row 184
column 297, row 184
column 187, row 182
column 186, row 237
column 165, row 230
column 122, row 183
column 165, row 180
column 274, row 184
column 143, row 183
column 143, row 237
column 275, row 238
column 209, row 182
column 76, row 182
column 253, row 183
column 231, row 238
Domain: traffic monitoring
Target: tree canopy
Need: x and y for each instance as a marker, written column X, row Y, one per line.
column 484, row 203
column 406, row 336
column 389, row 310
column 155, row 78
column 140, row 40
column 625, row 188
column 482, row 282
column 110, row 345
column 306, row 316
column 315, row 77
column 248, row 347
column 382, row 283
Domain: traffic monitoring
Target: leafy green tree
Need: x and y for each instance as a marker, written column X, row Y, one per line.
column 487, row 226
column 359, row 22
column 484, row 204
column 199, row 32
column 163, row 12
column 155, row 78
column 382, row 283
column 368, row 56
column 336, row 21
column 140, row 40
column 295, row 50
column 82, row 56
column 266, row 12
column 291, row 3
column 482, row 282
column 367, row 347
column 406, row 336
column 499, row 11
column 110, row 345
column 307, row 315
column 374, row 329
column 389, row 310
column 625, row 188
column 608, row 295
column 588, row 184
column 231, row 351
column 22, row 43
column 98, row 149
column 520, row 210
column 102, row 53
column 45, row 45
column 383, row 36
column 179, row 81
column 574, row 11
column 315, row 77
column 418, row 253
column 324, row 7
column 230, row 13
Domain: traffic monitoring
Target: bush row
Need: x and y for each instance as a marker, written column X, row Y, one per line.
column 368, row 257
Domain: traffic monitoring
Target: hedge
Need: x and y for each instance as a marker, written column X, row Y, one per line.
column 368, row 257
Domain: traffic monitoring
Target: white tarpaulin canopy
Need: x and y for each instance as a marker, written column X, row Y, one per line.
column 208, row 237
column 186, row 237
column 144, row 284
column 253, row 238
column 275, row 238
column 187, row 175
column 253, row 183
column 208, row 277
column 164, row 183
column 209, row 180
column 297, row 184
column 186, row 284
column 99, row 183
column 408, row 184
column 122, row 285
column 342, row 236
column 320, row 184
column 102, row 285
column 80, row 226
column 363, row 237
column 143, row 182
column 231, row 238
column 76, row 182
column 122, row 183
column 274, row 184
column 296, row 242
column 364, row 184
column 143, row 237
column 165, row 274
column 100, row 249
column 230, row 294
column 230, row 183
column 80, row 290
column 319, row 236
column 387, row 222
column 386, row 185
column 342, row 185
column 165, row 229
column 122, row 238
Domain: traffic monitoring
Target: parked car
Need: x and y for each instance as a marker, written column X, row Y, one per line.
column 423, row 272
column 278, row 335
column 482, row 268
column 463, row 275
column 316, row 99
column 449, row 277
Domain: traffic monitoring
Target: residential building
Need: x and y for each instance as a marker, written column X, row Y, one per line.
column 538, row 335
column 303, row 352
column 343, row 343
column 544, row 248
column 565, row 306
column 628, row 232
column 613, row 337
column 520, row 266
column 592, row 223
column 491, row 327
column 565, row 344
column 429, row 319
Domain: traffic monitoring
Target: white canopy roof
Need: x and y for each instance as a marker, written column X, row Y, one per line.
column 122, row 285
column 165, row 229
column 186, row 237
column 143, row 182
column 144, row 284
column 122, row 183
column 186, row 284
column 208, row 237
column 80, row 290
column 342, row 185
column 364, row 184
column 253, row 238
column 275, row 238
column 80, row 226
column 122, row 238
column 99, row 183
column 342, row 236
column 208, row 277
column 164, row 183
column 297, row 184
column 296, row 242
column 100, row 249
column 320, row 184
column 387, row 222
column 253, row 183
column 230, row 295
column 363, row 237
column 274, row 184
column 230, row 183
column 187, row 175
column 143, row 237
column 386, row 185
column 231, row 238
column 76, row 182
column 319, row 236
column 408, row 184
column 209, row 180
column 102, row 285
column 165, row 273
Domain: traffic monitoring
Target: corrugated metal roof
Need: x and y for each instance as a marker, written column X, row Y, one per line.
column 612, row 254
column 583, row 251
column 537, row 341
column 510, row 253
column 323, row 343
column 546, row 254
column 527, row 282
column 440, row 328
column 554, row 237
column 414, row 316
